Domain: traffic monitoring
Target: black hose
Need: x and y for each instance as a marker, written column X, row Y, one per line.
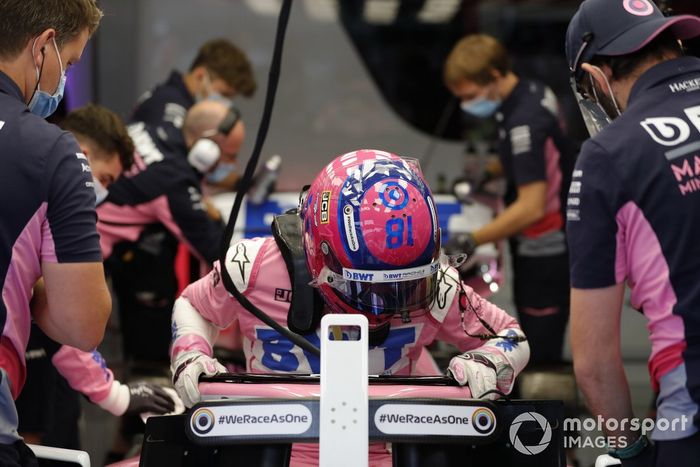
column 245, row 184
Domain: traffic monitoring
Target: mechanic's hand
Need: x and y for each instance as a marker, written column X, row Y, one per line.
column 145, row 397
column 461, row 243
column 478, row 371
column 187, row 368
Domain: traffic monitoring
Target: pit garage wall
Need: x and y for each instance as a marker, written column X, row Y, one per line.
column 326, row 102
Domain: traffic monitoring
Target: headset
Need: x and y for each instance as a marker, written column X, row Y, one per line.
column 205, row 152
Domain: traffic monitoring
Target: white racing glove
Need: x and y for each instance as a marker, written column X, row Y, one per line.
column 187, row 368
column 482, row 372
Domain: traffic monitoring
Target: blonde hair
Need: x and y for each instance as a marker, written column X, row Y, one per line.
column 474, row 58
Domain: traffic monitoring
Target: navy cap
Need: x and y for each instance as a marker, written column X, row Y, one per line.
column 620, row 27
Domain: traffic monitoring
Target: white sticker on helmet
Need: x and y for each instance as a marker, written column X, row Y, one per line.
column 433, row 216
column 393, row 275
column 350, row 232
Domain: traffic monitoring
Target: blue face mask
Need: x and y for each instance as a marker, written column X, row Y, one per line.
column 44, row 104
column 221, row 172
column 480, row 107
column 212, row 95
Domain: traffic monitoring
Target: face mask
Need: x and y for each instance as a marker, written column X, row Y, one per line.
column 223, row 170
column 210, row 94
column 481, row 107
column 100, row 191
column 44, row 104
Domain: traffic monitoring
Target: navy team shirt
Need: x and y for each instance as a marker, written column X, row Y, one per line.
column 533, row 148
column 47, row 214
column 634, row 213
column 164, row 184
column 166, row 106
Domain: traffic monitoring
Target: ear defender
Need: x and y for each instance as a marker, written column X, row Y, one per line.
column 204, row 155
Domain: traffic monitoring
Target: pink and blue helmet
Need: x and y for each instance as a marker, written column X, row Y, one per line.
column 371, row 236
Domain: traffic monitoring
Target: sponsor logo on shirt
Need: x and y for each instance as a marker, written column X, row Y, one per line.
column 283, row 295
column 175, row 114
column 520, row 139
column 688, row 85
column 241, row 259
column 687, row 174
column 574, row 189
column 684, row 163
column 144, row 144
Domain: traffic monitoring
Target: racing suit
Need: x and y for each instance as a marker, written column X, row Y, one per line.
column 258, row 270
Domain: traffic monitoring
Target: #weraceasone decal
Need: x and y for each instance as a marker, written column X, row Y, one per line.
column 250, row 420
column 434, row 420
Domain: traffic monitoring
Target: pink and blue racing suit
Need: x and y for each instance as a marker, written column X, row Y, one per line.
column 259, row 272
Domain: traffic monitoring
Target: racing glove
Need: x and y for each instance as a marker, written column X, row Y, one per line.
column 145, row 397
column 482, row 372
column 461, row 243
column 187, row 368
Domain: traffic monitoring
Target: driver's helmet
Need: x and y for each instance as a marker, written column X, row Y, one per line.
column 371, row 236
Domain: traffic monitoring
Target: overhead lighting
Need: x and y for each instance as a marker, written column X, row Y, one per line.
column 438, row 11
column 381, row 11
column 322, row 10
column 265, row 7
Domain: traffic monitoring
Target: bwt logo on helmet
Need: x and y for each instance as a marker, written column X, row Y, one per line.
column 541, row 421
column 359, row 276
column 393, row 275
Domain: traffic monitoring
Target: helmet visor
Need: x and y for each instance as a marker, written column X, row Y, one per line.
column 386, row 292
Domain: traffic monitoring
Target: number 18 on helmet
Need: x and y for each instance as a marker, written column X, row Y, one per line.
column 371, row 236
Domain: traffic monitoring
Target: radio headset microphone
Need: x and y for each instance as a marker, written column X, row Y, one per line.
column 245, row 184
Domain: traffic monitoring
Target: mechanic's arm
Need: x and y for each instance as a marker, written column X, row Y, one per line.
column 87, row 373
column 158, row 179
column 188, row 211
column 595, row 345
column 74, row 293
column 527, row 209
